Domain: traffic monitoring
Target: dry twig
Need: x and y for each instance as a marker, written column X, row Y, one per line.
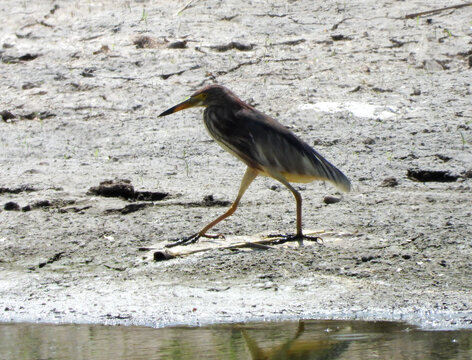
column 187, row 5
column 435, row 11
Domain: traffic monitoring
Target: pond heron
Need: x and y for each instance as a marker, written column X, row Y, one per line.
column 263, row 144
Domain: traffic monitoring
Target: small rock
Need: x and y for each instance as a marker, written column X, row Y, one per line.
column 11, row 206
column 162, row 255
column 367, row 258
column 339, row 37
column 208, row 199
column 329, row 199
column 147, row 42
column 28, row 57
column 181, row 44
column 369, row 141
column 389, row 182
column 6, row 115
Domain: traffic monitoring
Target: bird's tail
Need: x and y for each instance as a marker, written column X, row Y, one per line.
column 331, row 173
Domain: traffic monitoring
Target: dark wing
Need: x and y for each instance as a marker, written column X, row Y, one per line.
column 262, row 142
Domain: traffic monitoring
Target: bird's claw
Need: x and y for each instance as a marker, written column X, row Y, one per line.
column 185, row 241
column 193, row 239
column 283, row 238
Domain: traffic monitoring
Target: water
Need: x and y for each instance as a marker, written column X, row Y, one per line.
column 280, row 340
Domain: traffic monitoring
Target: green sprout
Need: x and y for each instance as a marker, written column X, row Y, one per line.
column 144, row 16
column 187, row 166
column 464, row 141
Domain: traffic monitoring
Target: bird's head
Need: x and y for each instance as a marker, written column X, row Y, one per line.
column 207, row 96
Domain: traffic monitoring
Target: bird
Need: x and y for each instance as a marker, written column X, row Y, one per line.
column 266, row 146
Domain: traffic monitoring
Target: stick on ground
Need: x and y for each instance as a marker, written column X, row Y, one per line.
column 161, row 253
column 184, row 7
column 435, row 11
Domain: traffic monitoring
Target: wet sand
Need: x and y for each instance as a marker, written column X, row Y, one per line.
column 386, row 99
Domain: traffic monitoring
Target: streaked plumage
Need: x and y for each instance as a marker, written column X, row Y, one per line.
column 262, row 143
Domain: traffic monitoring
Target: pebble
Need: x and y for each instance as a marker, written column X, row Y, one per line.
column 11, row 206
column 329, row 199
column 389, row 182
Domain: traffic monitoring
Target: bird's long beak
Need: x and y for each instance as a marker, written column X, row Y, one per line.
column 190, row 102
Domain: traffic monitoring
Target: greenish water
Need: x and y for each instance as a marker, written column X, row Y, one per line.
column 268, row 340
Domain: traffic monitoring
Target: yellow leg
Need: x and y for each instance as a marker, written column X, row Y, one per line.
column 298, row 199
column 248, row 177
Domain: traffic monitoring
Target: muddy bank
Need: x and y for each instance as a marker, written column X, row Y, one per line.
column 385, row 98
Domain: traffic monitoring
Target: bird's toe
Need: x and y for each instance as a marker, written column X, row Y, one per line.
column 184, row 241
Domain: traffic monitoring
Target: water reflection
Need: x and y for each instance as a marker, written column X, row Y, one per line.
column 295, row 348
column 280, row 340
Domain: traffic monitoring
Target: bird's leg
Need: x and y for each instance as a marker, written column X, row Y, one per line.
column 299, row 235
column 248, row 177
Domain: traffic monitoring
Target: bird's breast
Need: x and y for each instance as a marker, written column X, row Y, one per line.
column 230, row 134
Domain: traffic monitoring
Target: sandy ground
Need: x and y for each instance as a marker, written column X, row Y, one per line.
column 386, row 99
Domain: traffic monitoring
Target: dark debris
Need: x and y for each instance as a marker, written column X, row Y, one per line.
column 122, row 188
column 431, row 175
column 232, row 45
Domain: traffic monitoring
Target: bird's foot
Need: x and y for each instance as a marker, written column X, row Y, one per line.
column 283, row 238
column 185, row 241
column 193, row 239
